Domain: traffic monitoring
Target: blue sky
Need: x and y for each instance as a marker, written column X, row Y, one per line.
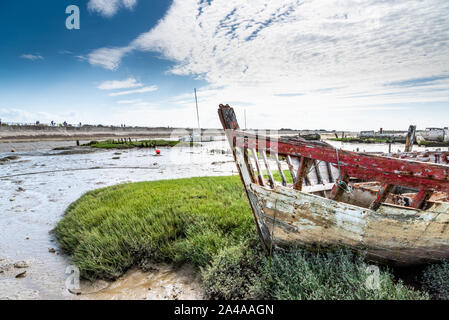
column 298, row 64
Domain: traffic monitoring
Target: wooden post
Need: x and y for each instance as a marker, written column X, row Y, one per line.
column 410, row 138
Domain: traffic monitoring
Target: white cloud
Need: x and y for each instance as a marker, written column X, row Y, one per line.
column 302, row 44
column 108, row 58
column 120, row 84
column 109, row 8
column 18, row 115
column 135, row 101
column 32, row 57
column 142, row 90
column 332, row 54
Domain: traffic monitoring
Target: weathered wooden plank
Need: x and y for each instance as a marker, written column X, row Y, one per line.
column 329, row 172
column 393, row 234
column 229, row 122
column 318, row 172
column 303, row 170
column 421, row 198
column 413, row 174
column 281, row 172
column 381, row 196
column 291, row 168
column 267, row 166
column 248, row 165
column 318, row 188
column 259, row 171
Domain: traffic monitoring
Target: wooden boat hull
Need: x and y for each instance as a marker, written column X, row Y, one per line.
column 403, row 228
column 392, row 234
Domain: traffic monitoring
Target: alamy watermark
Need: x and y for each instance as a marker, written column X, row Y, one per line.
column 373, row 279
column 72, row 283
column 73, row 21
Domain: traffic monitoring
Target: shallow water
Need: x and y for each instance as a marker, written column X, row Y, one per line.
column 36, row 189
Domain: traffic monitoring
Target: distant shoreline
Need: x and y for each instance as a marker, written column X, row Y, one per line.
column 10, row 134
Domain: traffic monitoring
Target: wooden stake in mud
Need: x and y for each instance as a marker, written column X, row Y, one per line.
column 410, row 138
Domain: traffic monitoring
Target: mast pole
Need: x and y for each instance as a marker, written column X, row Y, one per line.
column 245, row 119
column 197, row 111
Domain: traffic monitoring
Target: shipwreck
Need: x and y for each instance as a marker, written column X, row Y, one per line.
column 393, row 209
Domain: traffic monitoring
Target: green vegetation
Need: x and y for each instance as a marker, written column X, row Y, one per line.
column 237, row 273
column 433, row 143
column 277, row 176
column 383, row 140
column 181, row 221
column 128, row 144
column 206, row 222
column 435, row 280
column 243, row 272
column 339, row 275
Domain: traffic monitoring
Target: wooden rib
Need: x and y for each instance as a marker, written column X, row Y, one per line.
column 421, row 198
column 259, row 172
column 318, row 172
column 337, row 192
column 291, row 168
column 270, row 176
column 303, row 170
column 306, row 177
column 382, row 195
column 248, row 164
column 284, row 181
column 386, row 170
column 329, row 172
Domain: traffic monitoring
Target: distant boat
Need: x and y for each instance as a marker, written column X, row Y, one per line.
column 394, row 210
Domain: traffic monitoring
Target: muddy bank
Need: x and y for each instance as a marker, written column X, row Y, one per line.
column 41, row 183
column 161, row 282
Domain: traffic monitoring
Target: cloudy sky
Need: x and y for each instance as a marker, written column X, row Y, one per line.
column 336, row 64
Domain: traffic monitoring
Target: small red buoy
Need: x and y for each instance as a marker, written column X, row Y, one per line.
column 158, row 151
column 12, row 150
